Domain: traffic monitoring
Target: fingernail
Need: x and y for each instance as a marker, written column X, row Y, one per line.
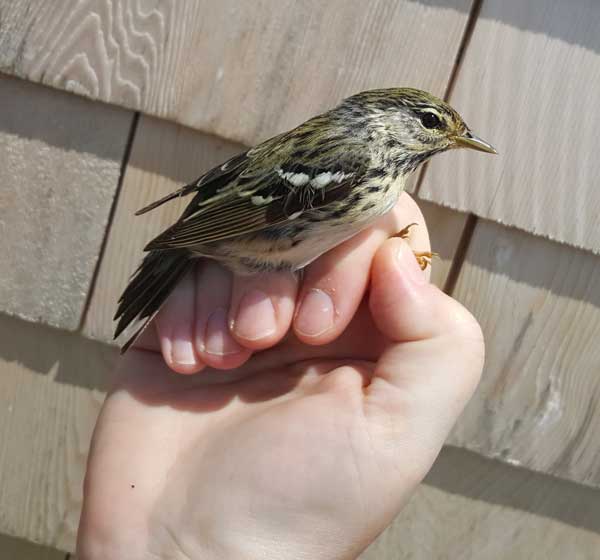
column 256, row 316
column 182, row 352
column 409, row 265
column 217, row 339
column 316, row 313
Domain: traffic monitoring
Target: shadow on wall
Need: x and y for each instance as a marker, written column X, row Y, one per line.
column 576, row 22
column 59, row 119
column 13, row 547
column 68, row 357
column 553, row 267
column 498, row 483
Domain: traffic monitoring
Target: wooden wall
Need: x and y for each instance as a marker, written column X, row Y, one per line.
column 107, row 104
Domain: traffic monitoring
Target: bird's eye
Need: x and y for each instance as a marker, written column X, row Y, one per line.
column 431, row 120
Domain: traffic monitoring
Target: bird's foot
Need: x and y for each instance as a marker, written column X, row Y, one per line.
column 423, row 258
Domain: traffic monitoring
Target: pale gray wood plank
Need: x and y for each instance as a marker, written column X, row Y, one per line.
column 453, row 516
column 529, row 84
column 243, row 70
column 19, row 549
column 60, row 159
column 51, row 388
column 440, row 526
column 539, row 306
column 164, row 156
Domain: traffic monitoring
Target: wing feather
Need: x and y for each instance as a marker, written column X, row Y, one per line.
column 206, row 184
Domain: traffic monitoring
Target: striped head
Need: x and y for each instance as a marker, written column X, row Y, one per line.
column 407, row 126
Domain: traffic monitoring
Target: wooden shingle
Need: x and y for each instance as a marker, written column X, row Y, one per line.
column 529, row 85
column 52, row 385
column 60, row 159
column 20, row 549
column 539, row 306
column 470, row 508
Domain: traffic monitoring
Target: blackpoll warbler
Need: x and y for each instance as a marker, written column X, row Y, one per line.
column 281, row 204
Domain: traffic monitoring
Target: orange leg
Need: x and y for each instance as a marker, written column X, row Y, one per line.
column 424, row 259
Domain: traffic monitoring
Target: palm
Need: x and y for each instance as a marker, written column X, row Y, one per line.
column 289, row 434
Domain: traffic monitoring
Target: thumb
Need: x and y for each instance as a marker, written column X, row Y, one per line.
column 405, row 306
column 433, row 364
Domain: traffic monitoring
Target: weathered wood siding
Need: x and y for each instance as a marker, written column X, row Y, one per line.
column 19, row 549
column 60, row 158
column 52, row 385
column 475, row 509
column 539, row 306
column 243, row 70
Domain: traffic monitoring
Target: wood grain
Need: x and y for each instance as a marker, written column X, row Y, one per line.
column 441, row 523
column 60, row 159
column 539, row 306
column 529, row 84
column 164, row 156
column 242, row 70
column 51, row 389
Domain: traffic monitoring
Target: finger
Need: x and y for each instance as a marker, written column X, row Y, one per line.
column 334, row 285
column 213, row 341
column 432, row 367
column 175, row 328
column 261, row 308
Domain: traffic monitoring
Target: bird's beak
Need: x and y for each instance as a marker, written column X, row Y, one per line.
column 469, row 140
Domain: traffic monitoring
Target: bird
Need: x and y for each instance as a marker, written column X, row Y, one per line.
column 283, row 203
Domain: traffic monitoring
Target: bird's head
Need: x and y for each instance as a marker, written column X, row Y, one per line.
column 408, row 125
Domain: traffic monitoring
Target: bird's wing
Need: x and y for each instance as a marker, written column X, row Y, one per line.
column 270, row 186
column 207, row 184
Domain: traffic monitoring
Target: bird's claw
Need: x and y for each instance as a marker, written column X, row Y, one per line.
column 404, row 233
column 423, row 258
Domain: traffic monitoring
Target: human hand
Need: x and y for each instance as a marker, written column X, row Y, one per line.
column 302, row 452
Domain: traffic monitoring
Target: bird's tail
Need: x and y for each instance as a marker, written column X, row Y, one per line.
column 148, row 288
